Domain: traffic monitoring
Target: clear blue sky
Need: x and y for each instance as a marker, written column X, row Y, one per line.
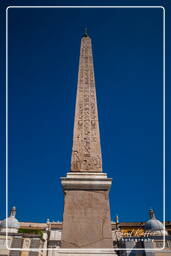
column 44, row 47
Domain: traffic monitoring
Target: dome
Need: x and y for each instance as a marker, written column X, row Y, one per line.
column 153, row 225
column 11, row 222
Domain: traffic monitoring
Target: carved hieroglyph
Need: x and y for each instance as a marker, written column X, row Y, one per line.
column 86, row 151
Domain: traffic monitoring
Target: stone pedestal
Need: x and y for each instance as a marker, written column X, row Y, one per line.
column 86, row 220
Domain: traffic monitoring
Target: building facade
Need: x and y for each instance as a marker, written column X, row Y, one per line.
column 46, row 236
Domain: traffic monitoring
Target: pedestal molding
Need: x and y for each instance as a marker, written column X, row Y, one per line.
column 86, row 181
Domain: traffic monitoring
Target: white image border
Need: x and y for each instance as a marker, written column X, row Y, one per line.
column 105, row 250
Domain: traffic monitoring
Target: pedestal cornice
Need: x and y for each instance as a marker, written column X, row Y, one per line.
column 86, row 181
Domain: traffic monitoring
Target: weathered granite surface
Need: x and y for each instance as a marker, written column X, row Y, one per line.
column 86, row 220
column 86, row 150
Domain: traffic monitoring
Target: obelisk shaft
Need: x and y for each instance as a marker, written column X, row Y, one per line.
column 86, row 151
column 86, row 218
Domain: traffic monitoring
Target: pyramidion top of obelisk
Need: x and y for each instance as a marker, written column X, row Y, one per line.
column 85, row 33
column 85, row 36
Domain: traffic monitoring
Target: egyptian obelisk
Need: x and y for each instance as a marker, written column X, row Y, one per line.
column 86, row 219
